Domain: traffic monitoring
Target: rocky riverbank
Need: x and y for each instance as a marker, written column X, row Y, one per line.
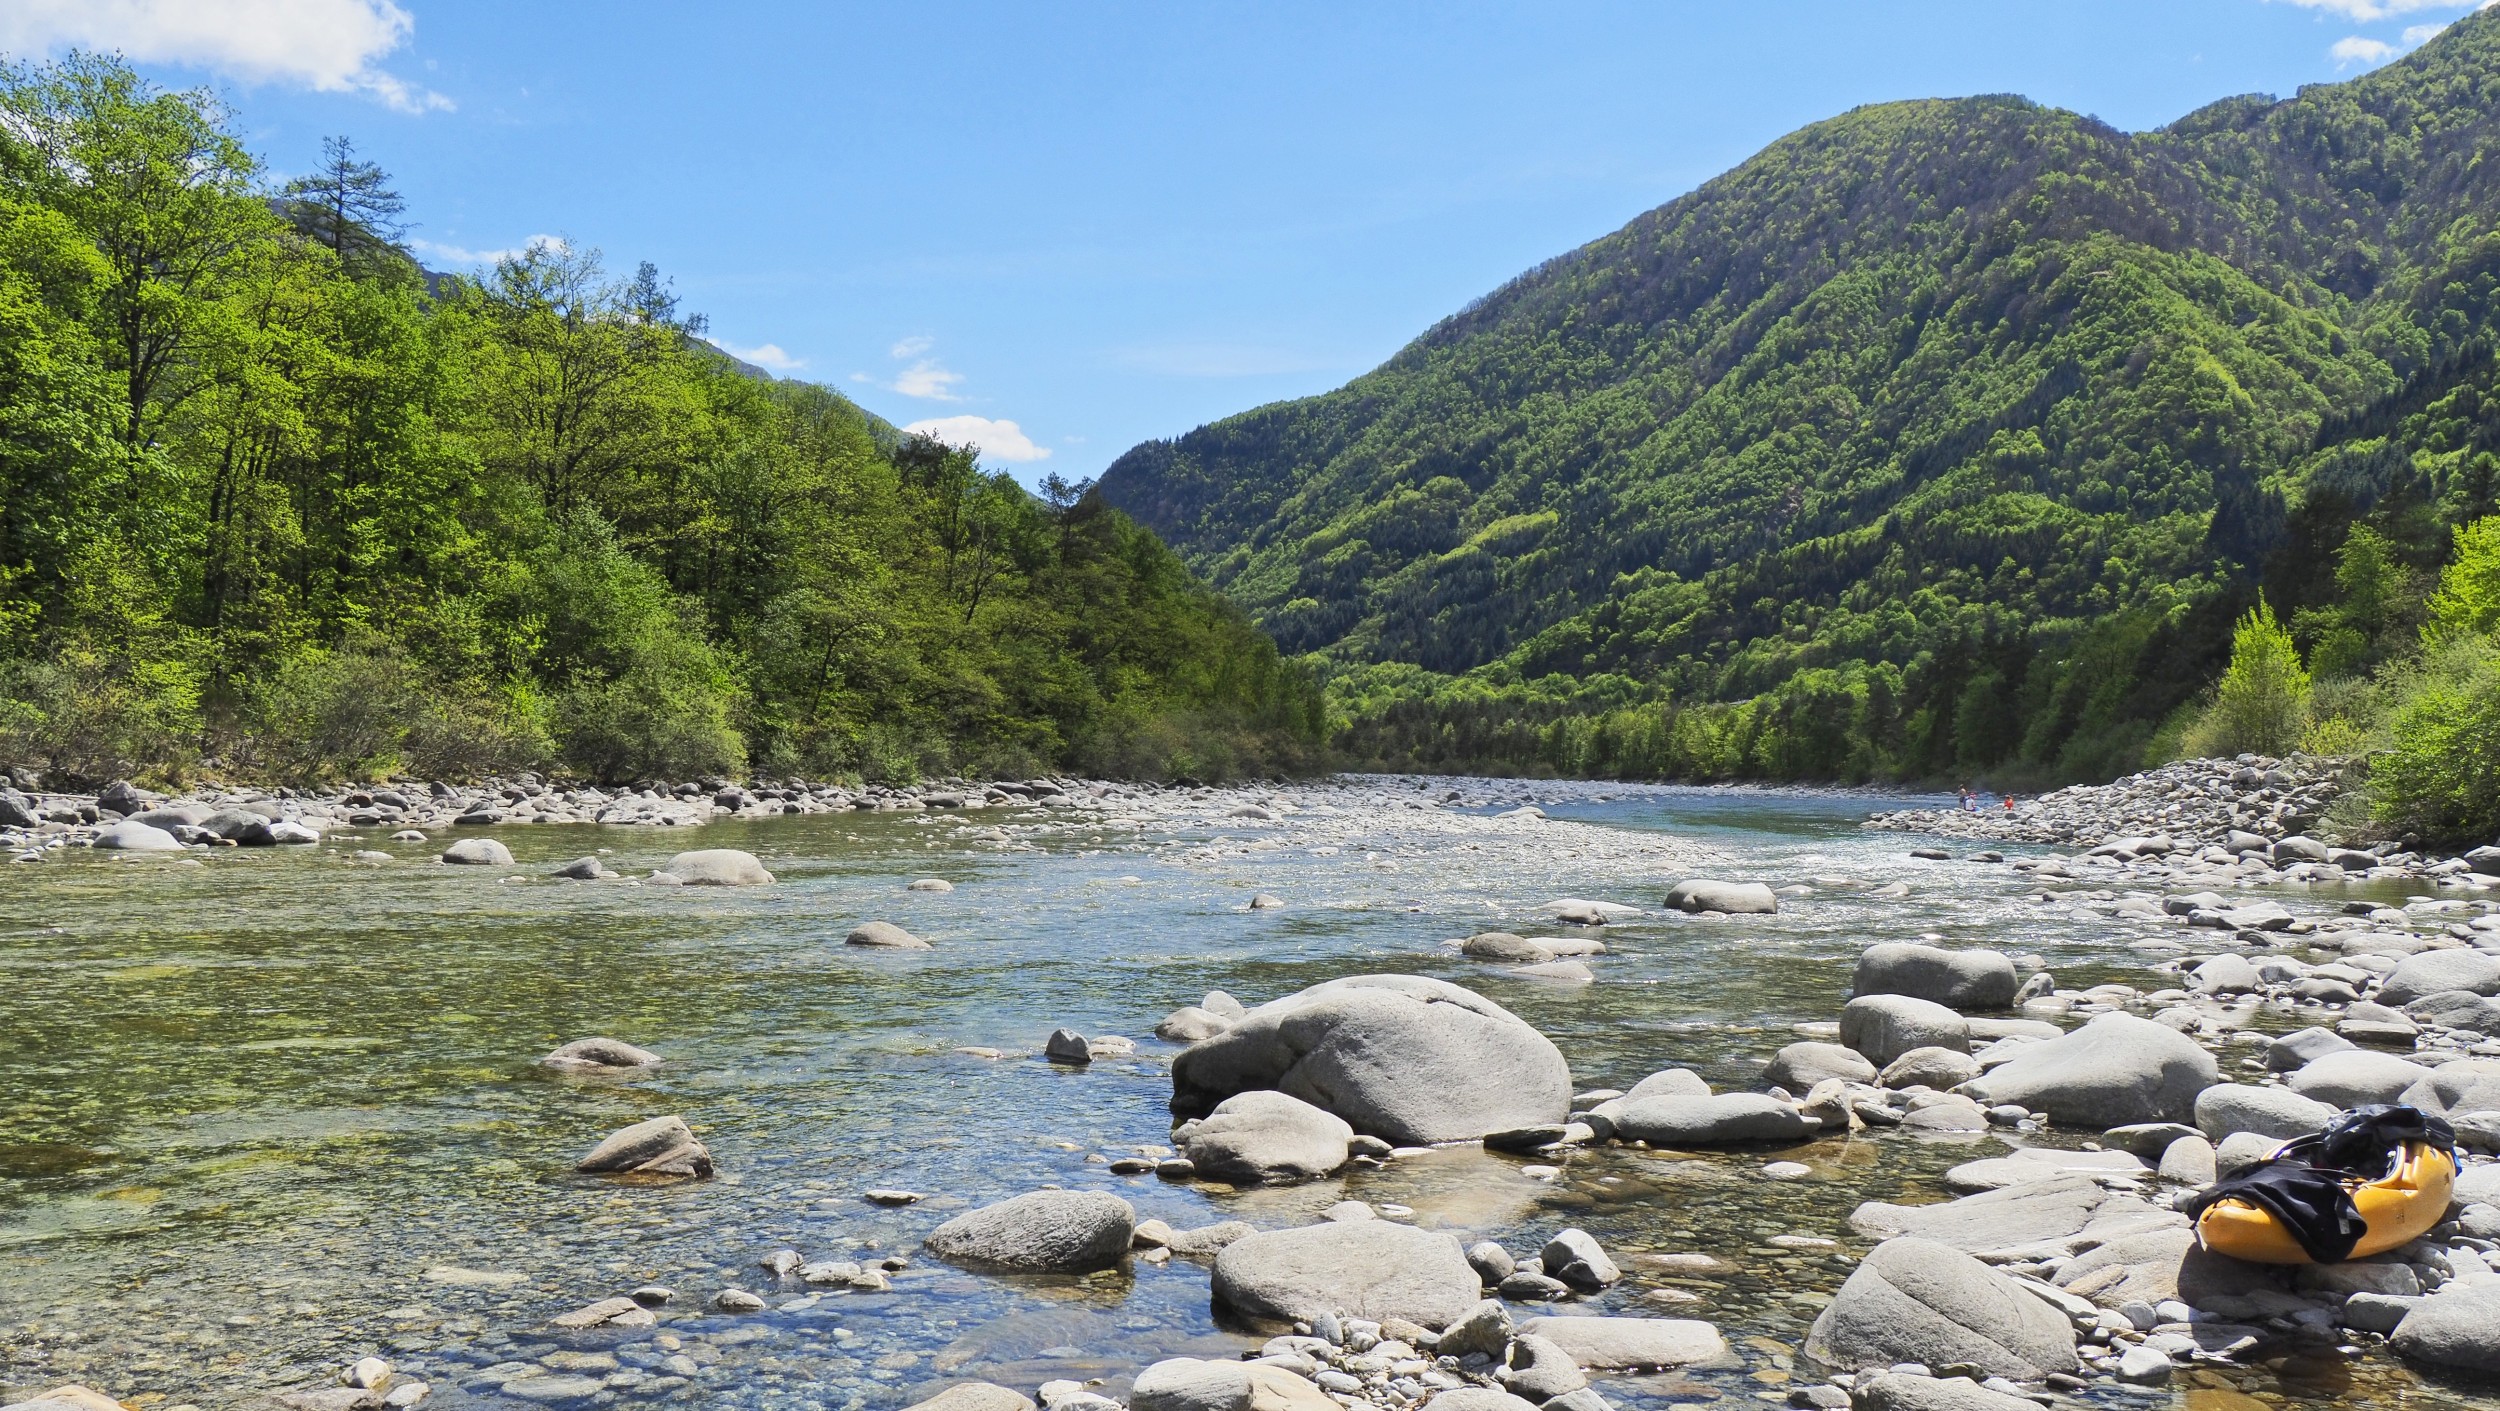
column 2063, row 1271
column 2194, row 803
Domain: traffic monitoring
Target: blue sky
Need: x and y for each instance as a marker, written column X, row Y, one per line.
column 1061, row 229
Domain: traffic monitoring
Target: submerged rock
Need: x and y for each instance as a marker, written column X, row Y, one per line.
column 883, row 935
column 1403, row 1057
column 1733, row 898
column 662, row 1146
column 597, row 1054
column 1042, row 1232
column 718, row 867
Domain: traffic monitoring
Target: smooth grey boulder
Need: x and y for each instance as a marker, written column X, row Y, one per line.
column 1402, row 1057
column 718, row 867
column 2025, row 1216
column 1733, row 898
column 2457, row 1009
column 1800, row 1066
column 1964, row 979
column 2115, row 1070
column 2273, row 1112
column 1915, row 1300
column 1540, row 1370
column 2150, row 1265
column 2435, row 970
column 1188, row 1384
column 975, row 1396
column 130, row 835
column 2458, row 1087
column 1719, row 1120
column 1190, row 1023
column 1884, row 1027
column 883, row 935
column 239, row 825
column 599, row 1054
column 1040, row 1232
column 1372, row 1269
column 2297, row 1048
column 1900, row 1391
column 2459, row 1326
column 1271, row 1137
column 582, row 869
column 662, row 1146
column 1938, row 1068
column 1629, row 1344
column 1485, row 1329
column 1474, row 1398
column 2351, row 1079
column 1505, row 948
column 1575, row 1257
column 478, row 852
column 2241, row 1150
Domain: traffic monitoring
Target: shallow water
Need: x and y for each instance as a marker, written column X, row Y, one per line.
column 269, row 1113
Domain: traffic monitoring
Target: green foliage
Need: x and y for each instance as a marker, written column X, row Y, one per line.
column 2261, row 705
column 1989, row 402
column 2468, row 601
column 2438, row 777
column 266, row 505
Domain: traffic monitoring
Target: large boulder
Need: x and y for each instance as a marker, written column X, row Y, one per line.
column 2435, row 970
column 1041, row 1232
column 1188, row 1384
column 2116, row 1070
column 1722, row 1120
column 2358, row 1077
column 2458, row 1327
column 2274, row 1112
column 2457, row 1087
column 1800, row 1066
column 1901, row 1391
column 662, row 1146
column 975, row 1396
column 1265, row 1136
column 1629, row 1344
column 1957, row 979
column 1504, row 948
column 130, row 835
column 1915, row 1300
column 2065, row 1210
column 1884, row 1027
column 478, row 852
column 1372, row 1269
column 1402, row 1057
column 1733, row 898
column 718, row 867
column 2457, row 1009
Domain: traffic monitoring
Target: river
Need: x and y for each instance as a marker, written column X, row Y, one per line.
column 272, row 1110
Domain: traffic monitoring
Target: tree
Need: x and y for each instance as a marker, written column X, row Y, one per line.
column 2468, row 601
column 2262, row 703
column 348, row 207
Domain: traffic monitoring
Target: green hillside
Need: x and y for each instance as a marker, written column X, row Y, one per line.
column 1941, row 436
column 277, row 503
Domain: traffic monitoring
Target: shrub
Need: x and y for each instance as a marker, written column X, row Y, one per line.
column 2262, row 703
column 2441, row 776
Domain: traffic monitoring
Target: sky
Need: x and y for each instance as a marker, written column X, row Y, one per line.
column 1058, row 230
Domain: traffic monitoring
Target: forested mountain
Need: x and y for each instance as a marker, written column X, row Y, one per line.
column 1941, row 436
column 274, row 501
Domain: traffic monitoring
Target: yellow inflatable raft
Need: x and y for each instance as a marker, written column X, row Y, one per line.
column 2399, row 1208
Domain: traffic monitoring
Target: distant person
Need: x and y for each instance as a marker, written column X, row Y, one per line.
column 2009, row 805
column 1970, row 800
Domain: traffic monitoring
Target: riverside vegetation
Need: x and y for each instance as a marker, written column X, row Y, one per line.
column 277, row 503
column 1943, row 438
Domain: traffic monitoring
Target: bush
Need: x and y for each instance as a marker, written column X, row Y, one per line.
column 2441, row 775
column 2262, row 703
column 665, row 717
column 2468, row 601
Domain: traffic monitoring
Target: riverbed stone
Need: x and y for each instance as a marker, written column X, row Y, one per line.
column 599, row 1055
column 1915, row 1300
column 2019, row 1217
column 1540, row 1370
column 1190, row 1023
column 1901, row 1391
column 1505, row 948
column 2457, row 1088
column 1040, row 1232
column 883, row 935
column 1938, row 1068
column 130, row 835
column 718, row 867
column 1733, row 898
column 1370, row 1269
column 1884, row 1027
column 2436, row 970
column 1575, row 1257
column 2298, row 1048
column 1188, row 1384
column 1964, row 979
column 2275, row 1112
column 2352, row 1079
column 478, row 852
column 2457, row 1327
column 1269, row 1137
column 1629, row 1344
column 662, row 1146
column 2115, row 1070
column 1718, row 1120
column 1800, row 1066
column 1406, row 1058
column 975, row 1396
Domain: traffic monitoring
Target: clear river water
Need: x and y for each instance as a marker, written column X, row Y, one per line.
column 267, row 1111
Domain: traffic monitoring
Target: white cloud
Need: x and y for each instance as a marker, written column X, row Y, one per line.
column 2365, row 11
column 2420, row 34
column 463, row 255
column 330, row 46
column 997, row 440
column 2354, row 49
column 766, row 355
column 911, row 347
column 926, row 379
